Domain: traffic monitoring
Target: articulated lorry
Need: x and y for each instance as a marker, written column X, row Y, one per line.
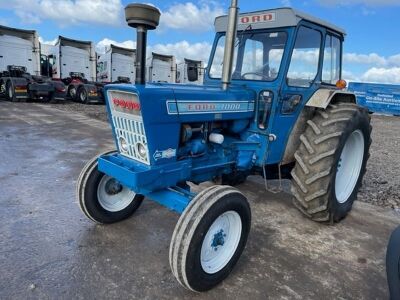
column 20, row 68
column 74, row 62
column 117, row 65
column 161, row 68
column 190, row 71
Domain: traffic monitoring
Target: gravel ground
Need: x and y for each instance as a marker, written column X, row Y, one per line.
column 381, row 185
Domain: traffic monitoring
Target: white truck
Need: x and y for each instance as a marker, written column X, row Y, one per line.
column 190, row 71
column 74, row 62
column 161, row 68
column 20, row 68
column 117, row 65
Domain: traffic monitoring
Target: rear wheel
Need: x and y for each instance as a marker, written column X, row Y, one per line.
column 102, row 198
column 393, row 264
column 209, row 237
column 331, row 162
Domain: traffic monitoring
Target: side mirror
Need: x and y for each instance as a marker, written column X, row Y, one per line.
column 193, row 73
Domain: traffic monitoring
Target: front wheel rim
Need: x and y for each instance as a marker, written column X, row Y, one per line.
column 83, row 96
column 10, row 92
column 113, row 201
column 349, row 166
column 221, row 242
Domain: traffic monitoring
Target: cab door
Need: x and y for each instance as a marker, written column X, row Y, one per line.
column 302, row 79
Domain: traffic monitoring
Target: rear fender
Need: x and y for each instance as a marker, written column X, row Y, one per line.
column 322, row 97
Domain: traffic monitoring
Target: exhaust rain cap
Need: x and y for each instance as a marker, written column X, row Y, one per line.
column 138, row 14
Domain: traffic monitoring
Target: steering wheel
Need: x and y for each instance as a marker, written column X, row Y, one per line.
column 263, row 76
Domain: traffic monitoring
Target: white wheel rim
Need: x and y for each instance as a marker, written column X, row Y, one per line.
column 221, row 242
column 113, row 202
column 349, row 166
column 72, row 92
column 10, row 92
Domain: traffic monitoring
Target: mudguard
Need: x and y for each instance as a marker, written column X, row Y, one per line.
column 322, row 97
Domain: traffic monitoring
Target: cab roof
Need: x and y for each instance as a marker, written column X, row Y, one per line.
column 273, row 18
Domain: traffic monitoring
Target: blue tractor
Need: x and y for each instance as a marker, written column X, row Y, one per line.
column 272, row 104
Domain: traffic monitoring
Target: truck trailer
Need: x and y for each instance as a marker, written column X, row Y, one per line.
column 190, row 71
column 74, row 62
column 117, row 65
column 20, row 68
column 161, row 68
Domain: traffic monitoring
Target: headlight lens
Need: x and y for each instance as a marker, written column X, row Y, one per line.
column 123, row 144
column 141, row 149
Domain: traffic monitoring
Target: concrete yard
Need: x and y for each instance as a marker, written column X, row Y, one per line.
column 49, row 250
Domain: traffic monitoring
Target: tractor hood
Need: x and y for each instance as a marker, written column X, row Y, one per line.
column 163, row 108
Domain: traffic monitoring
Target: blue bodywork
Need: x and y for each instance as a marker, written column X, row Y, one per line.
column 233, row 113
column 379, row 98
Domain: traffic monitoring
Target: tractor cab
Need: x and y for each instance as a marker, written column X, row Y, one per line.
column 285, row 56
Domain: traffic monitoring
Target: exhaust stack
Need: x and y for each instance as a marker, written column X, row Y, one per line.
column 143, row 17
column 229, row 44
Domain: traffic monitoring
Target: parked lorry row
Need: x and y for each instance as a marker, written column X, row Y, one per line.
column 71, row 69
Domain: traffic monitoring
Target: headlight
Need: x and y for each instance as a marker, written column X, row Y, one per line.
column 141, row 149
column 123, row 144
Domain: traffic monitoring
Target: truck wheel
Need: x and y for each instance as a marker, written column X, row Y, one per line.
column 393, row 264
column 331, row 162
column 209, row 237
column 72, row 92
column 10, row 92
column 101, row 198
column 82, row 95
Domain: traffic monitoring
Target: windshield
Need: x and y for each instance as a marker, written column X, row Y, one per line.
column 257, row 56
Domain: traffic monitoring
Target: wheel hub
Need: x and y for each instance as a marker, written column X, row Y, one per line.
column 113, row 187
column 218, row 240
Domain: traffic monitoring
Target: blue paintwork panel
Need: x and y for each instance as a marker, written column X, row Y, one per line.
column 381, row 98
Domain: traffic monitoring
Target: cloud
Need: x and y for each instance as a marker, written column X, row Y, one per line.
column 67, row 12
column 382, row 75
column 286, row 3
column 104, row 44
column 51, row 42
column 191, row 17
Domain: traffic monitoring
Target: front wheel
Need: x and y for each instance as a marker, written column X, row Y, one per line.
column 102, row 198
column 331, row 162
column 209, row 237
column 83, row 95
column 10, row 92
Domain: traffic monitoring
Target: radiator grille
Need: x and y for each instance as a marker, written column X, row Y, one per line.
column 132, row 130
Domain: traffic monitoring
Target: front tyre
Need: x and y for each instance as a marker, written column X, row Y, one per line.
column 10, row 92
column 331, row 162
column 393, row 264
column 103, row 199
column 82, row 95
column 209, row 237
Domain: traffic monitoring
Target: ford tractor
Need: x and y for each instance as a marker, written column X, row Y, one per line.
column 272, row 104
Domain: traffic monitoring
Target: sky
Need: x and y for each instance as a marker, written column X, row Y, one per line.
column 371, row 50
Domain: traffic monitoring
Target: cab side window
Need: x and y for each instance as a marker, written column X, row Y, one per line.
column 332, row 62
column 303, row 67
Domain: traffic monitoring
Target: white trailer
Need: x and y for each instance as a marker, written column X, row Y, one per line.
column 161, row 68
column 20, row 67
column 74, row 62
column 116, row 65
column 190, row 71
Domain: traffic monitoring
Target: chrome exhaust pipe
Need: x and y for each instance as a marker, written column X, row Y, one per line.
column 230, row 44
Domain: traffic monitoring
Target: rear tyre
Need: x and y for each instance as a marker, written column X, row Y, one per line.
column 393, row 264
column 82, row 95
column 209, row 238
column 331, row 162
column 101, row 198
column 10, row 92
